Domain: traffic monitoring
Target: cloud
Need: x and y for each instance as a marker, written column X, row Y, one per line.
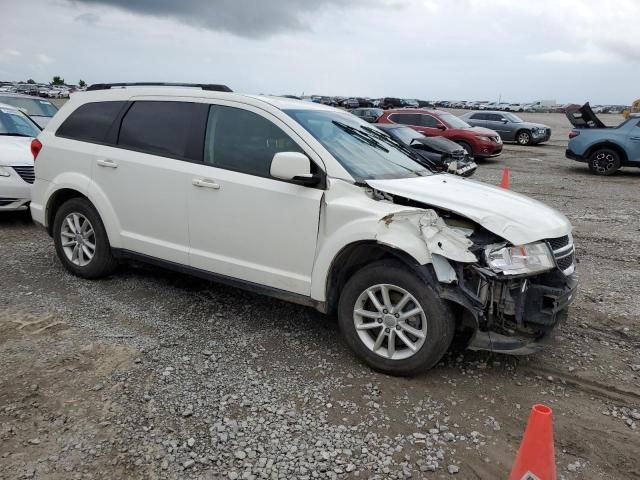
column 244, row 18
column 8, row 54
column 584, row 56
column 88, row 18
column 44, row 59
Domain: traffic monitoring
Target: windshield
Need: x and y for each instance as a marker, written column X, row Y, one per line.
column 453, row 121
column 364, row 151
column 33, row 106
column 512, row 118
column 406, row 134
column 17, row 124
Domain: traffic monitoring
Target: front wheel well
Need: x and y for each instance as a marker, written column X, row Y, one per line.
column 56, row 201
column 613, row 146
column 355, row 256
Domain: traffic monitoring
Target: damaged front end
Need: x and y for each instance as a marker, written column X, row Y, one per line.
column 507, row 298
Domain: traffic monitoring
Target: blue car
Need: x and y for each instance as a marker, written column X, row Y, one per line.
column 604, row 149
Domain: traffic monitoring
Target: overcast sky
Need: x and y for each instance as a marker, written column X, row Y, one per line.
column 567, row 50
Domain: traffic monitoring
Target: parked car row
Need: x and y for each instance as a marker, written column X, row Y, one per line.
column 39, row 89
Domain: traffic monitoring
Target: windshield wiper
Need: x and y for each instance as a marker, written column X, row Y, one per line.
column 15, row 134
column 360, row 135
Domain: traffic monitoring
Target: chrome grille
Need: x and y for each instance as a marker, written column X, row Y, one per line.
column 564, row 253
column 27, row 173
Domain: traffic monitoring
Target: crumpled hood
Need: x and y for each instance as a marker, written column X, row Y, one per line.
column 15, row 151
column 514, row 217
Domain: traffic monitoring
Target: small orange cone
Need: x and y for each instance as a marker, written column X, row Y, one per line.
column 536, row 457
column 504, row 183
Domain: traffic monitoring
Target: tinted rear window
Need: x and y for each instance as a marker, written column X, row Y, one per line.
column 164, row 128
column 90, row 122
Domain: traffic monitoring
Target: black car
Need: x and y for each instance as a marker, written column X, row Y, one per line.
column 368, row 114
column 390, row 102
column 437, row 153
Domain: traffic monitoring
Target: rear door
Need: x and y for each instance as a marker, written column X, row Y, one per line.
column 243, row 223
column 144, row 179
column 496, row 121
column 477, row 119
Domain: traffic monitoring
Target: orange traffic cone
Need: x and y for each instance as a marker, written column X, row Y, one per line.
column 504, row 183
column 536, row 456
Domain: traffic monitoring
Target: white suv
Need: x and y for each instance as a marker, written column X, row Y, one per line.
column 306, row 203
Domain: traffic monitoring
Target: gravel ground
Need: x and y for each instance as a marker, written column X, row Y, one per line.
column 152, row 374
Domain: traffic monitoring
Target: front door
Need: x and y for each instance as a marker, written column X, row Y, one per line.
column 243, row 223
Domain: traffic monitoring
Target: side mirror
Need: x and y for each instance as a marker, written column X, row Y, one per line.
column 504, row 120
column 441, row 127
column 294, row 167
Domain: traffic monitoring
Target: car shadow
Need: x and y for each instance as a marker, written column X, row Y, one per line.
column 19, row 218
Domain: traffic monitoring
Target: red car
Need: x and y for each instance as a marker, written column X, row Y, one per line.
column 477, row 141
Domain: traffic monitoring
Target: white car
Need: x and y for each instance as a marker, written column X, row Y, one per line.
column 307, row 203
column 16, row 162
column 514, row 107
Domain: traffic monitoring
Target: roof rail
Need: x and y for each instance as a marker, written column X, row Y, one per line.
column 204, row 86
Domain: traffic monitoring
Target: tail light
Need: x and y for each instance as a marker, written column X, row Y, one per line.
column 573, row 133
column 36, row 146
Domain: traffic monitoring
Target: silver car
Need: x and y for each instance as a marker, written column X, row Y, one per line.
column 39, row 109
column 510, row 127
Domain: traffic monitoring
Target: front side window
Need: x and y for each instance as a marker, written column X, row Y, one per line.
column 164, row 128
column 494, row 117
column 478, row 116
column 512, row 118
column 364, row 151
column 429, row 121
column 90, row 122
column 14, row 123
column 244, row 141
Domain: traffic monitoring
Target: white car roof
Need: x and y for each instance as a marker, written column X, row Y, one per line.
column 118, row 93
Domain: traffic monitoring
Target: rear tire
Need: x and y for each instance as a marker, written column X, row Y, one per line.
column 604, row 161
column 428, row 325
column 81, row 240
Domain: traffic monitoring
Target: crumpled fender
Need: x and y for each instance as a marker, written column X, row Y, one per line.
column 434, row 233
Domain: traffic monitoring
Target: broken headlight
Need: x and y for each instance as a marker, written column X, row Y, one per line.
column 519, row 259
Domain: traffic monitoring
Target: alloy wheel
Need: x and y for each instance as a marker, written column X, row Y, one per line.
column 390, row 322
column 524, row 138
column 604, row 161
column 78, row 239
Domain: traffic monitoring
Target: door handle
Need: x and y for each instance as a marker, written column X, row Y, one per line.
column 199, row 182
column 107, row 163
column 637, row 139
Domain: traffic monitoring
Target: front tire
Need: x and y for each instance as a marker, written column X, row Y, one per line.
column 466, row 147
column 394, row 321
column 604, row 161
column 81, row 240
column 523, row 138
